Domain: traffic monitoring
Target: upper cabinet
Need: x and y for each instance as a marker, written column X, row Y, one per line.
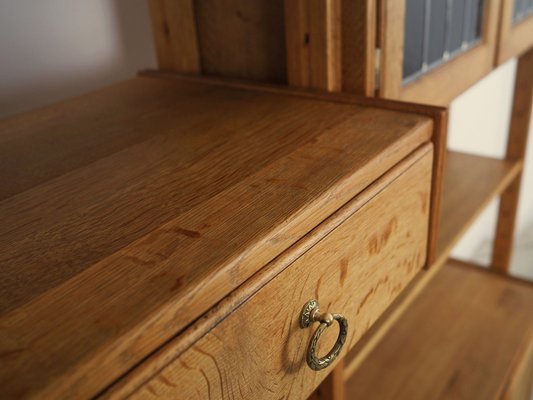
column 516, row 28
column 437, row 31
column 432, row 50
column 424, row 51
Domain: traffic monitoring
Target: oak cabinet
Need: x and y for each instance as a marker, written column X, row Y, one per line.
column 145, row 221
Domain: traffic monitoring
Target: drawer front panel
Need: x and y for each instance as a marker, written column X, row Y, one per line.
column 259, row 351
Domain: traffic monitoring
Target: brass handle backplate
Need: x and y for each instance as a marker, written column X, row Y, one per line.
column 311, row 313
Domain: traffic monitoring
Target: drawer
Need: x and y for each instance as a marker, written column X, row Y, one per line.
column 356, row 270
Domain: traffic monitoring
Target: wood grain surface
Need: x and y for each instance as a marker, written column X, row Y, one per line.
column 175, row 35
column 312, row 31
column 391, row 16
column 179, row 344
column 463, row 338
column 131, row 211
column 438, row 115
column 520, row 385
column 242, row 38
column 357, row 270
column 470, row 183
column 516, row 149
column 358, row 24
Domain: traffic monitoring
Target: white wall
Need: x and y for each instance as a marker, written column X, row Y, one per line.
column 54, row 49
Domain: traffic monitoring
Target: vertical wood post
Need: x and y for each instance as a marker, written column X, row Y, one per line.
column 313, row 40
column 516, row 147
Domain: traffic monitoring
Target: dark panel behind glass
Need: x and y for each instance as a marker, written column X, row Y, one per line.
column 522, row 9
column 519, row 6
column 437, row 31
column 456, row 26
column 467, row 20
column 414, row 35
column 473, row 18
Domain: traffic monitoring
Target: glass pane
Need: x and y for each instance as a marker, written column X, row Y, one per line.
column 456, row 26
column 528, row 8
column 518, row 9
column 478, row 15
column 474, row 15
column 414, row 35
column 437, row 30
column 522, row 9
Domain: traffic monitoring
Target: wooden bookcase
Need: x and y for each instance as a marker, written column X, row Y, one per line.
column 352, row 48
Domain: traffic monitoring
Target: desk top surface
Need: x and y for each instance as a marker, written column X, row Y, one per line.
column 129, row 212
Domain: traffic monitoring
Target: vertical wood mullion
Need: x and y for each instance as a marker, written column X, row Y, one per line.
column 313, row 35
column 516, row 146
column 297, row 43
column 392, row 23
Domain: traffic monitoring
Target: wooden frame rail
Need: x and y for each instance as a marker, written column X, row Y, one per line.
column 443, row 84
column 514, row 38
column 516, row 147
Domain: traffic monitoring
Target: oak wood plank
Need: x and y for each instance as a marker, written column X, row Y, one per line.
column 358, row 23
column 438, row 115
column 242, row 38
column 391, row 35
column 175, row 35
column 159, row 145
column 520, row 385
column 146, row 261
column 470, row 182
column 357, row 270
column 168, row 353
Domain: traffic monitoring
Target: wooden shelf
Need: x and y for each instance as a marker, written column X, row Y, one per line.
column 470, row 182
column 467, row 336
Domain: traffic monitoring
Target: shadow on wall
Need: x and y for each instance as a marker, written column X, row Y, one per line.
column 79, row 47
column 135, row 34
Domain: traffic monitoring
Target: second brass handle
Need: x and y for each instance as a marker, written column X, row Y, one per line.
column 311, row 313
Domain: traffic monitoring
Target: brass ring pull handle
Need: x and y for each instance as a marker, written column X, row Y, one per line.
column 310, row 314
